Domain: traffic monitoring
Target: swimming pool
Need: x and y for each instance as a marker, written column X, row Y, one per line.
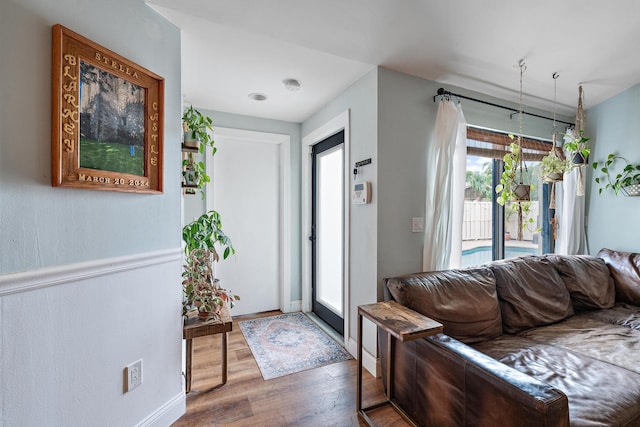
column 482, row 254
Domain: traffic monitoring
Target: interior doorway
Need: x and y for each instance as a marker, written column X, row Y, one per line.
column 251, row 190
column 327, row 230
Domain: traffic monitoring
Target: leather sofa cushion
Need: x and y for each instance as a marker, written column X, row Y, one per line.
column 625, row 269
column 620, row 314
column 588, row 280
column 589, row 336
column 531, row 293
column 600, row 394
column 464, row 301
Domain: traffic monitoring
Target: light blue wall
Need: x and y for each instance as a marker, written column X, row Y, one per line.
column 194, row 206
column 42, row 226
column 613, row 127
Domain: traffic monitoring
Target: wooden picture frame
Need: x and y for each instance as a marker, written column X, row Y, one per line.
column 107, row 118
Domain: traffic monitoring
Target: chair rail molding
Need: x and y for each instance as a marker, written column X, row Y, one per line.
column 53, row 276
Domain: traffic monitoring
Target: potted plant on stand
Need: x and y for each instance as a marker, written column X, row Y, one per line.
column 202, row 291
column 194, row 172
column 626, row 181
column 196, row 127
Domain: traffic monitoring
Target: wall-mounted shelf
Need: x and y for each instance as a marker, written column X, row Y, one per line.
column 189, row 189
column 186, row 149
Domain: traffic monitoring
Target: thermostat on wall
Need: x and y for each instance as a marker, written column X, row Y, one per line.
column 361, row 193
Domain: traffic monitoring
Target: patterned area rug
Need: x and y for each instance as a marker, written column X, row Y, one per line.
column 290, row 343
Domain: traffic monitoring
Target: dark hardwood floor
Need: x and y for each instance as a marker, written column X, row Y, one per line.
column 319, row 397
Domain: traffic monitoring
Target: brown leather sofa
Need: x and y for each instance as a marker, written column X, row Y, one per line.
column 536, row 341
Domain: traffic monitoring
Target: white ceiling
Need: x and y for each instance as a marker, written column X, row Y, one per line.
column 233, row 48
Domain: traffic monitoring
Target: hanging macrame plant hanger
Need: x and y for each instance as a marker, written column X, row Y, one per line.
column 579, row 131
column 521, row 191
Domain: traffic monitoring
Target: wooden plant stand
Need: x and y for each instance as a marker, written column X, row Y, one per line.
column 195, row 327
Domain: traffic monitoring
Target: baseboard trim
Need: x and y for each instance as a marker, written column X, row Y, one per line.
column 369, row 361
column 296, row 306
column 167, row 414
column 53, row 276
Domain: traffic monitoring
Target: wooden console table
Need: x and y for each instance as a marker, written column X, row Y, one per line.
column 401, row 324
column 195, row 327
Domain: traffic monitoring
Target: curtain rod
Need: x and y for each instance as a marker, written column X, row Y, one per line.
column 443, row 92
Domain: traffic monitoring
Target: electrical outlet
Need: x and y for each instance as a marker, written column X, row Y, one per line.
column 133, row 375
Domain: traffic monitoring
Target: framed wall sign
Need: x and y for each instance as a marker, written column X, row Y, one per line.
column 107, row 119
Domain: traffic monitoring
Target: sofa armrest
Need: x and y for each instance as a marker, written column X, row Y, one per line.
column 441, row 381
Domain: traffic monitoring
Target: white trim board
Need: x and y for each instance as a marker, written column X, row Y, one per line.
column 59, row 275
column 369, row 361
column 296, row 305
column 168, row 413
column 284, row 141
column 333, row 126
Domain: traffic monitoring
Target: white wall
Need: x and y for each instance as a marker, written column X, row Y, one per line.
column 613, row 127
column 194, row 206
column 89, row 280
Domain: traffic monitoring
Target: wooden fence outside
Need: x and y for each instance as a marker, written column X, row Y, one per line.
column 477, row 222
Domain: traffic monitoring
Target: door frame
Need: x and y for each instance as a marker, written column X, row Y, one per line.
column 284, row 249
column 333, row 126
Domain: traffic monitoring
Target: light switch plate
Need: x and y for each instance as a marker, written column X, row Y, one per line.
column 417, row 225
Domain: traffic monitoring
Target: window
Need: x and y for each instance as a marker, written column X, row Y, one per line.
column 491, row 231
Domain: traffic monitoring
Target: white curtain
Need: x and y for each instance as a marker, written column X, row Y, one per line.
column 572, row 238
column 446, row 166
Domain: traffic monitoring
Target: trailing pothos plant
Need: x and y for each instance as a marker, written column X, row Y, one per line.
column 195, row 172
column 512, row 187
column 513, row 176
column 205, row 233
column 197, row 128
column 578, row 148
column 554, row 165
column 616, row 177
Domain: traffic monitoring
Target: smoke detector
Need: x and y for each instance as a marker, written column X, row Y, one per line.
column 258, row 96
column 291, row 84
